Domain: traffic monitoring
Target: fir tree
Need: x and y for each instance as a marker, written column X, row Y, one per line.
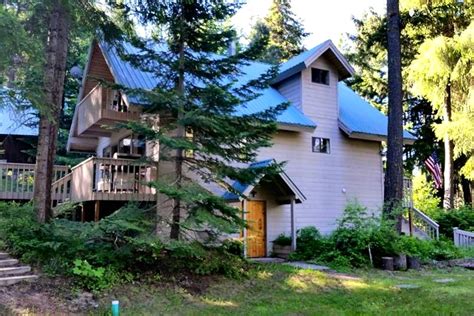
column 284, row 31
column 201, row 138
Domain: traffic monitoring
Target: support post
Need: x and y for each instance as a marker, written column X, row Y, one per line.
column 82, row 213
column 410, row 220
column 244, row 216
column 293, row 224
column 97, row 211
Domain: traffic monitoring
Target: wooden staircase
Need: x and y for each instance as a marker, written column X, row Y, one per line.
column 11, row 271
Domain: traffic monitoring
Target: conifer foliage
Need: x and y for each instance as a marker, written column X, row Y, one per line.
column 284, row 31
column 205, row 128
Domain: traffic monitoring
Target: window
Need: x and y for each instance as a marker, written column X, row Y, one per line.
column 132, row 145
column 320, row 76
column 321, row 145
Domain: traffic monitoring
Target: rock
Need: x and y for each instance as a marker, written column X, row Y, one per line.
column 413, row 263
column 407, row 286
column 83, row 301
column 447, row 280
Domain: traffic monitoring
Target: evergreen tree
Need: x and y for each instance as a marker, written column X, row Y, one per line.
column 420, row 20
column 284, row 31
column 40, row 72
column 202, row 140
column 393, row 187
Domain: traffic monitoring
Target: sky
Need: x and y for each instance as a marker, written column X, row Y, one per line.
column 324, row 19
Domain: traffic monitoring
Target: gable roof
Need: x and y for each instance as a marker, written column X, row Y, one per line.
column 359, row 119
column 129, row 76
column 302, row 61
column 284, row 184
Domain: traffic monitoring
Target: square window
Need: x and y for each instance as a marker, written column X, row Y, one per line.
column 321, row 145
column 320, row 76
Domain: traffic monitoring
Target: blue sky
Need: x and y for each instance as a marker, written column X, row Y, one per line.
column 322, row 18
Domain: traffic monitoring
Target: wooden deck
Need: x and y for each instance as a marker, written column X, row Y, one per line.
column 95, row 179
column 97, row 116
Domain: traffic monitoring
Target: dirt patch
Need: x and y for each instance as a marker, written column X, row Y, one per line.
column 45, row 296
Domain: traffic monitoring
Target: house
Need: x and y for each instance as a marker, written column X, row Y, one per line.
column 329, row 137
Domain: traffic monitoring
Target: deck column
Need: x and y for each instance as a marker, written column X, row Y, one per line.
column 97, row 211
column 293, row 224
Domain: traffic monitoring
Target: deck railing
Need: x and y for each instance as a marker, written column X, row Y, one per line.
column 17, row 180
column 112, row 179
column 463, row 238
column 424, row 223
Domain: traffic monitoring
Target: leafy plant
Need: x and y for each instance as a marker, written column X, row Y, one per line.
column 282, row 240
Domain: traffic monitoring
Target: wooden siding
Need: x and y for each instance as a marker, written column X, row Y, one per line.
column 98, row 68
column 353, row 169
column 291, row 89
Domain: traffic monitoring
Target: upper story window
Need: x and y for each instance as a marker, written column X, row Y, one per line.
column 320, row 76
column 321, row 145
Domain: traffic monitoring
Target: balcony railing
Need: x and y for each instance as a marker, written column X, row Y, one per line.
column 17, row 180
column 101, row 110
column 112, row 179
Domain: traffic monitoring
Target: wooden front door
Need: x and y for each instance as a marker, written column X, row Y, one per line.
column 256, row 231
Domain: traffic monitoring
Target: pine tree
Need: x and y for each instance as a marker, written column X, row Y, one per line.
column 40, row 73
column 393, row 188
column 202, row 139
column 284, row 31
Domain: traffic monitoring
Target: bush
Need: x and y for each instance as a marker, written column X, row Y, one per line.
column 427, row 249
column 282, row 240
column 463, row 218
column 98, row 254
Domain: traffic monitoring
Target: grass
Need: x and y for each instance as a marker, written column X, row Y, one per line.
column 282, row 290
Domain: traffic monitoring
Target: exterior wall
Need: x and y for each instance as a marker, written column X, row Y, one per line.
column 98, row 68
column 352, row 170
column 291, row 89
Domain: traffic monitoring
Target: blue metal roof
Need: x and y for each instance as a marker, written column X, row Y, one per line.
column 129, row 76
column 14, row 121
column 357, row 116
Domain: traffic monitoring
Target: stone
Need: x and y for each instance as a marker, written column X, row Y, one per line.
column 447, row 280
column 413, row 263
column 83, row 301
column 407, row 286
column 308, row 266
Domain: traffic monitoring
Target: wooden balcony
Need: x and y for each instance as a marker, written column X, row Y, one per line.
column 101, row 111
column 95, row 179
column 109, row 179
column 17, row 180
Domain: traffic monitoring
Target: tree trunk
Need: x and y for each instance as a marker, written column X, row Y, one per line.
column 448, row 199
column 393, row 192
column 54, row 75
column 466, row 191
column 180, row 133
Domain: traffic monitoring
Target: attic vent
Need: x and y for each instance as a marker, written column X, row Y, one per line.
column 320, row 76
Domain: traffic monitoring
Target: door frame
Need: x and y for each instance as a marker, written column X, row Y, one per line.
column 245, row 233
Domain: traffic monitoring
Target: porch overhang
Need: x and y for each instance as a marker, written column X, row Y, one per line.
column 286, row 190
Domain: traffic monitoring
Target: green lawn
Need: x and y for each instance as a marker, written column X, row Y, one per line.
column 282, row 290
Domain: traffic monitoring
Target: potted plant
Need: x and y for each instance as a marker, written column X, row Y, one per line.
column 282, row 246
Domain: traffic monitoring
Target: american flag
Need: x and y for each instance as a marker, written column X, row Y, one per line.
column 433, row 165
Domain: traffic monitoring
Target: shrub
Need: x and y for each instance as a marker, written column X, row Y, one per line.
column 97, row 254
column 462, row 218
column 427, row 249
column 282, row 240
column 424, row 195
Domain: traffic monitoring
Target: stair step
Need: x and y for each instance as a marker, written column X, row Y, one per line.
column 4, row 255
column 8, row 262
column 14, row 270
column 4, row 281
